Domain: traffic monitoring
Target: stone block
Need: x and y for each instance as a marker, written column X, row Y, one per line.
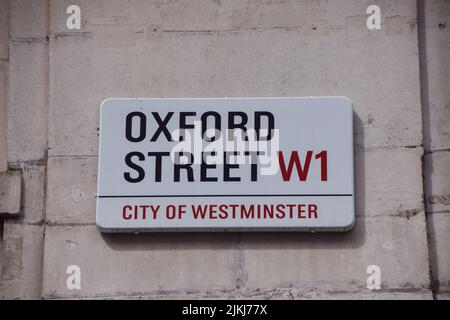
column 10, row 192
column 33, row 177
column 333, row 262
column 206, row 15
column 27, row 101
column 71, row 188
column 28, row 19
column 3, row 117
column 146, row 264
column 439, row 227
column 22, row 261
column 4, row 31
column 437, row 178
column 389, row 182
column 437, row 116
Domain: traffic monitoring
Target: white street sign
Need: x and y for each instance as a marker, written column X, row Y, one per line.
column 250, row 164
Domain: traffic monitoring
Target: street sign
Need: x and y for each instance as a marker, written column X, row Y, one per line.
column 231, row 164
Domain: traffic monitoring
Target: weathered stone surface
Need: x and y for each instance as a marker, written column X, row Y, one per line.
column 10, row 192
column 437, row 179
column 117, row 264
column 22, row 261
column 436, row 111
column 443, row 296
column 4, row 33
column 72, row 184
column 3, row 117
column 203, row 262
column 4, row 53
column 437, row 72
column 33, row 186
column 436, row 12
column 439, row 226
column 389, row 182
column 339, row 261
column 284, row 294
column 372, row 295
column 28, row 19
column 1, row 256
column 207, row 15
column 117, row 60
column 27, row 101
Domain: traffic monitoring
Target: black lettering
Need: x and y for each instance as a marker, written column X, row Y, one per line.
column 253, row 164
column 227, row 167
column 232, row 125
column 158, row 163
column 132, row 165
column 217, row 125
column 205, row 166
column 188, row 166
column 129, row 126
column 270, row 122
column 162, row 126
column 183, row 124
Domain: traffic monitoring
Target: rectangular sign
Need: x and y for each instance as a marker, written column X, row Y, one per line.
column 250, row 164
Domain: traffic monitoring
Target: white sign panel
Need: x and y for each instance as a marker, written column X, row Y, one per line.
column 250, row 164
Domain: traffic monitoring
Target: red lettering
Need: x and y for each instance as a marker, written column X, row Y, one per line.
column 125, row 215
column 323, row 165
column 199, row 211
column 312, row 209
column 294, row 160
column 212, row 210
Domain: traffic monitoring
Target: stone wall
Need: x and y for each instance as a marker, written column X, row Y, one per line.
column 57, row 78
column 436, row 124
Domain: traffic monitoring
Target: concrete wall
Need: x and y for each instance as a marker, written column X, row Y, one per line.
column 3, row 78
column 216, row 48
column 436, row 110
column 4, row 41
